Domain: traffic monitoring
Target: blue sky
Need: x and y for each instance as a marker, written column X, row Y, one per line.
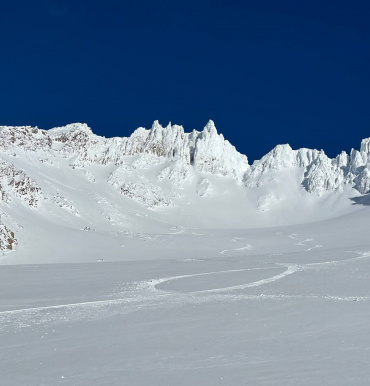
column 266, row 72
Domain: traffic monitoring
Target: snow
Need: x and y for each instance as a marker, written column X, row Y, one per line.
column 293, row 317
column 164, row 258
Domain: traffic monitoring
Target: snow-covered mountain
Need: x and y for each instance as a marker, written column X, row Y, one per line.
column 68, row 182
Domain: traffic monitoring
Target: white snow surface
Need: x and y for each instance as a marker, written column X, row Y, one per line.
column 179, row 263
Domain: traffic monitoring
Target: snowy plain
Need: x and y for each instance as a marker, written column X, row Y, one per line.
column 225, row 285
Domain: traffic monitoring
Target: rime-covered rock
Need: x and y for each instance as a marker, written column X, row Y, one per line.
column 211, row 153
column 180, row 153
column 319, row 173
column 323, row 175
column 280, row 158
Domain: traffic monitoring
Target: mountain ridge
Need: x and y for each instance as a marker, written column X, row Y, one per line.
column 165, row 167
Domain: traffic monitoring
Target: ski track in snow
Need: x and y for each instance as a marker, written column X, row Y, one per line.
column 316, row 246
column 247, row 247
column 147, row 294
column 237, row 239
column 293, row 236
column 304, row 241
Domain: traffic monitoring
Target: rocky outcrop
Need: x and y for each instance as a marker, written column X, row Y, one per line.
column 7, row 239
column 14, row 183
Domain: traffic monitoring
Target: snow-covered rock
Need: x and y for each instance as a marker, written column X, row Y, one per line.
column 280, row 158
column 319, row 174
column 15, row 183
column 204, row 188
column 178, row 174
column 64, row 203
column 161, row 167
column 323, row 175
column 7, row 239
column 207, row 150
column 14, row 139
column 147, row 194
column 211, row 153
column 203, row 151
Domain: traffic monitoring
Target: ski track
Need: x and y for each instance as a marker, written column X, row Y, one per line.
column 146, row 294
column 316, row 246
column 304, row 241
column 247, row 247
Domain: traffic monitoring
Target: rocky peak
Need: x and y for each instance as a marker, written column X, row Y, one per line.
column 210, row 128
column 280, row 158
column 210, row 152
column 169, row 141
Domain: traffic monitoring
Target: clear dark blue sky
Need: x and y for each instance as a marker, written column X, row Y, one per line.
column 265, row 71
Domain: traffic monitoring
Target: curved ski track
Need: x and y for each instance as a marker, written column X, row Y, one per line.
column 147, row 294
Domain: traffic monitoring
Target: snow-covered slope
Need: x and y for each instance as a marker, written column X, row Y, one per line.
column 70, row 186
column 208, row 271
